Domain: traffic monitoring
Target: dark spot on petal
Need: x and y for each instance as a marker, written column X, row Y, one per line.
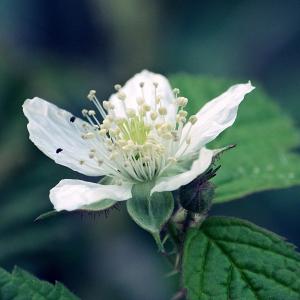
column 72, row 119
column 58, row 150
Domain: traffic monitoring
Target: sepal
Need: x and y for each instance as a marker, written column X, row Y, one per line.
column 150, row 212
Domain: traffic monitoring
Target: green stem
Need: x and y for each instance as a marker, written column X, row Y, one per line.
column 158, row 241
column 174, row 234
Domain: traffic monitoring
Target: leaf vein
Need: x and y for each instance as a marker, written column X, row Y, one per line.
column 259, row 247
column 232, row 261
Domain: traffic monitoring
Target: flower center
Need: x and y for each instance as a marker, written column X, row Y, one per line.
column 133, row 129
column 143, row 141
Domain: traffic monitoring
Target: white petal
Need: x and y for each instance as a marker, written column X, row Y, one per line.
column 133, row 91
column 216, row 116
column 71, row 194
column 50, row 129
column 199, row 166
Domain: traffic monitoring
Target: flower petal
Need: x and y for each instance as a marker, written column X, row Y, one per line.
column 214, row 117
column 71, row 194
column 172, row 183
column 57, row 133
column 133, row 91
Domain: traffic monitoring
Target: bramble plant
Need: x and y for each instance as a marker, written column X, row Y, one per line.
column 148, row 143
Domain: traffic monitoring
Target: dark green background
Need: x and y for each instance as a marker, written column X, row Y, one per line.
column 59, row 50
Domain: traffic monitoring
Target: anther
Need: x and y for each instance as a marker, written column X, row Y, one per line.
column 182, row 113
column 175, row 136
column 176, row 91
column 157, row 99
column 110, row 105
column 153, row 115
column 58, row 150
column 91, row 95
column 92, row 113
column 155, row 84
column 110, row 118
column 105, row 104
column 182, row 101
column 84, row 112
column 121, row 95
column 103, row 131
column 72, row 119
column 117, row 87
column 162, row 111
column 146, row 107
column 142, row 84
column 106, row 124
column 89, row 135
column 193, row 119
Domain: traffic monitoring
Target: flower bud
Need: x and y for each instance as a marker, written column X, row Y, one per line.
column 197, row 196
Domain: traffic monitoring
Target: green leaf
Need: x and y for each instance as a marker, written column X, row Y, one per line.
column 264, row 134
column 150, row 212
column 228, row 258
column 20, row 285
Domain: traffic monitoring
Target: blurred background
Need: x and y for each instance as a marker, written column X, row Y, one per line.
column 59, row 50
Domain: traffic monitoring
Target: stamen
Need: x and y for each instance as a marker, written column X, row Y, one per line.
column 92, row 97
column 142, row 145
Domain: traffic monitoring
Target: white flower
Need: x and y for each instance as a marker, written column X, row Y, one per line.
column 145, row 135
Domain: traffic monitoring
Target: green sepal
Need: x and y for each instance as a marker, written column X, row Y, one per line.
column 103, row 204
column 46, row 215
column 150, row 212
column 98, row 206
